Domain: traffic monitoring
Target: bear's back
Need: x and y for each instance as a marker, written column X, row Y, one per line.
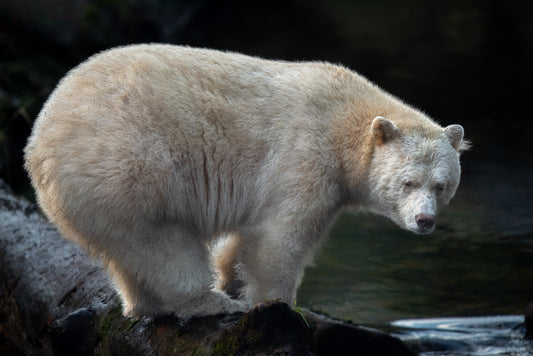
column 132, row 128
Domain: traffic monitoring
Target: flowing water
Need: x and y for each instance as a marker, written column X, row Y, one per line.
column 491, row 335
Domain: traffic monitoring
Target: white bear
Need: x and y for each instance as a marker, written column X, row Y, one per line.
column 151, row 155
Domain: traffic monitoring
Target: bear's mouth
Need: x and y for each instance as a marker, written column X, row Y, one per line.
column 424, row 231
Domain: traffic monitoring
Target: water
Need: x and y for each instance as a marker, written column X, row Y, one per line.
column 437, row 290
column 492, row 335
column 375, row 274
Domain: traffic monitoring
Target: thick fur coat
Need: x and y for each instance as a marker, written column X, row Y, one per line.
column 156, row 157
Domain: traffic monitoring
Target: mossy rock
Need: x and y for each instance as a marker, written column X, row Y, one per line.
column 269, row 328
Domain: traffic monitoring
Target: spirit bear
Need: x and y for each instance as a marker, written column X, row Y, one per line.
column 207, row 180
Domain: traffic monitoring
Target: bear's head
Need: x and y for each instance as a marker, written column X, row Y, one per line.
column 414, row 171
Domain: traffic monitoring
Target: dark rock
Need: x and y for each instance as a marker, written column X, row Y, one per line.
column 173, row 336
column 272, row 328
column 75, row 334
column 340, row 338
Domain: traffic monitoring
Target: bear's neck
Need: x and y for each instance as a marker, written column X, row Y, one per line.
column 351, row 122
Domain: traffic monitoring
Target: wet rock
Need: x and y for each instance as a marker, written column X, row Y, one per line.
column 272, row 328
column 335, row 337
column 74, row 334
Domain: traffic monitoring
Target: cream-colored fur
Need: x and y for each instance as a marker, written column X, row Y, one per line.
column 147, row 154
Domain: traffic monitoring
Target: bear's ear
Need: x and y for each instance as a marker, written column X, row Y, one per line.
column 383, row 130
column 455, row 134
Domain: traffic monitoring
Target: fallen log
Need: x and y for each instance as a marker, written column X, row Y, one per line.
column 55, row 300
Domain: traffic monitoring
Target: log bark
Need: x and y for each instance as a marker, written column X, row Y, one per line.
column 43, row 277
column 55, row 300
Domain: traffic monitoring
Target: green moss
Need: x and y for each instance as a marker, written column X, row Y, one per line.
column 112, row 330
column 109, row 322
column 265, row 329
column 241, row 336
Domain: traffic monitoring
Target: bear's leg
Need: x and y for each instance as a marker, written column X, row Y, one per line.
column 271, row 265
column 168, row 272
column 226, row 253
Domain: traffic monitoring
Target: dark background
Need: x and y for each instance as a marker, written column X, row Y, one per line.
column 467, row 62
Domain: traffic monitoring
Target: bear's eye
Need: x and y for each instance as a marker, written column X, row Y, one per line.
column 408, row 184
column 439, row 187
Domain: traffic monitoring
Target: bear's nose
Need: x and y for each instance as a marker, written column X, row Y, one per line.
column 425, row 221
